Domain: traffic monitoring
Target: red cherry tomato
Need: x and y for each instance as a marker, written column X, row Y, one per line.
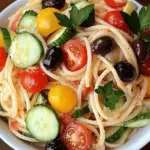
column 75, row 55
column 145, row 68
column 33, row 79
column 14, row 125
column 115, row 19
column 3, row 58
column 66, row 118
column 113, row 4
column 14, row 25
column 86, row 91
column 76, row 136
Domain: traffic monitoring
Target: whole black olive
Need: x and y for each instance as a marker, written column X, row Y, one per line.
column 55, row 145
column 103, row 45
column 126, row 71
column 53, row 58
column 140, row 50
column 59, row 4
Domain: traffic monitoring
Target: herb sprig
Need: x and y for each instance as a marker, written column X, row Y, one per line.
column 80, row 112
column 110, row 95
column 77, row 17
column 138, row 23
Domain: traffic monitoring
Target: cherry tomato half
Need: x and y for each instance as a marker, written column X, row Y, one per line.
column 76, row 136
column 115, row 19
column 75, row 55
column 114, row 4
column 145, row 68
column 3, row 58
column 33, row 79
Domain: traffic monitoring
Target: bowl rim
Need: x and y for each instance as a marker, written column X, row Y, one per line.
column 18, row 144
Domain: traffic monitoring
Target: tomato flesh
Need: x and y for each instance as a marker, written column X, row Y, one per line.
column 3, row 58
column 115, row 19
column 76, row 136
column 33, row 79
column 75, row 55
column 14, row 25
column 145, row 68
column 113, row 4
column 14, row 125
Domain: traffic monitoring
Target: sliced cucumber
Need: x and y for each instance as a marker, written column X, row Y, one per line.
column 116, row 135
column 43, row 123
column 60, row 36
column 91, row 19
column 6, row 37
column 73, row 1
column 28, row 21
column 42, row 98
column 140, row 120
column 130, row 7
column 26, row 50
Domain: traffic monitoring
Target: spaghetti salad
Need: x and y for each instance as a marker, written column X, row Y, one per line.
column 74, row 74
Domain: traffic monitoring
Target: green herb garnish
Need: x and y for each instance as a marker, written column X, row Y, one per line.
column 77, row 17
column 110, row 95
column 80, row 112
column 144, row 17
column 138, row 23
column 132, row 21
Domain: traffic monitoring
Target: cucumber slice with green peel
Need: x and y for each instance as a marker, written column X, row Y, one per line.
column 116, row 136
column 25, row 50
column 139, row 121
column 73, row 1
column 6, row 37
column 28, row 21
column 60, row 36
column 43, row 123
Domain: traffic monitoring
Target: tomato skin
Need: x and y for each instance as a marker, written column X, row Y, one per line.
column 33, row 79
column 66, row 118
column 113, row 4
column 86, row 91
column 76, row 136
column 14, row 125
column 75, row 55
column 3, row 58
column 115, row 19
column 47, row 22
column 62, row 98
column 145, row 68
column 14, row 25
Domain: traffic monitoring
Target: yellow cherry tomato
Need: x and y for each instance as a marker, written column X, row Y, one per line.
column 47, row 22
column 62, row 98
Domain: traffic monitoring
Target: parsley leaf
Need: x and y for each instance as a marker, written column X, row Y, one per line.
column 111, row 96
column 77, row 17
column 144, row 17
column 80, row 112
column 132, row 21
column 64, row 20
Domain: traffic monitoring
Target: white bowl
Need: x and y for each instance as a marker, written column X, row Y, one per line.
column 141, row 138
